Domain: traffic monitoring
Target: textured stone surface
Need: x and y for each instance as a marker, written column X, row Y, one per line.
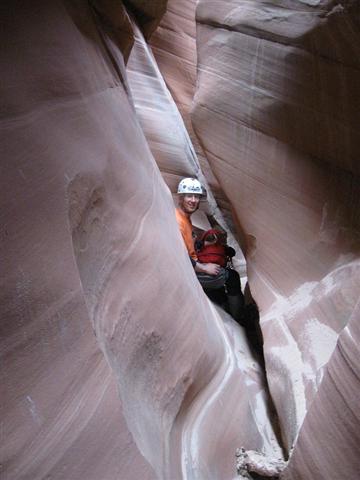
column 159, row 115
column 63, row 111
column 173, row 152
column 164, row 128
column 174, row 48
column 91, row 245
column 276, row 111
column 329, row 437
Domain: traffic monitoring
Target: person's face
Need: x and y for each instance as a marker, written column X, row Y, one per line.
column 189, row 202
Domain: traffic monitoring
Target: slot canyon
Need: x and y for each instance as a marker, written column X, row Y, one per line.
column 115, row 365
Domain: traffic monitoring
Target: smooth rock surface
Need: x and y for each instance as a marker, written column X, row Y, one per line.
column 329, row 437
column 276, row 111
column 174, row 47
column 186, row 438
column 159, row 115
column 91, row 246
column 63, row 106
column 168, row 138
column 95, row 274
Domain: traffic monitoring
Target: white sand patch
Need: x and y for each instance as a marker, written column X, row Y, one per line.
column 247, row 364
column 286, row 376
column 302, row 297
column 327, row 285
column 260, row 413
column 285, row 366
column 289, row 307
column 331, row 281
column 319, row 341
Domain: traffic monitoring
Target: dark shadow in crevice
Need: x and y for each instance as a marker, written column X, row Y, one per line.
column 251, row 324
column 250, row 319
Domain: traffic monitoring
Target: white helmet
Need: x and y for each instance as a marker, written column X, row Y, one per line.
column 190, row 185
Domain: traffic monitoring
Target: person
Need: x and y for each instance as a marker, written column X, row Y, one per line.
column 212, row 276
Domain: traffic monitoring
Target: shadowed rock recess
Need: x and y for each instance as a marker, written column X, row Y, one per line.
column 114, row 364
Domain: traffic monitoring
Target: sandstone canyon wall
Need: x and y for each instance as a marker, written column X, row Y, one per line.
column 95, row 269
column 109, row 346
column 281, row 137
column 63, row 111
column 276, row 105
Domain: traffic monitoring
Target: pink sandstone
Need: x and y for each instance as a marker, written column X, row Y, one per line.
column 89, row 249
column 280, row 136
column 63, row 108
column 108, row 345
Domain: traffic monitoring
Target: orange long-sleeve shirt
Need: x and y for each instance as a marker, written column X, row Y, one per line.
column 185, row 226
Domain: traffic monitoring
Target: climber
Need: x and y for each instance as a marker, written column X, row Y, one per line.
column 212, row 276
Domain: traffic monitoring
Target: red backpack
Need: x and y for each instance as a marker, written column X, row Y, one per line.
column 212, row 248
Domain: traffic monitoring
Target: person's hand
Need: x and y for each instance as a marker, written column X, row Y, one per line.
column 209, row 268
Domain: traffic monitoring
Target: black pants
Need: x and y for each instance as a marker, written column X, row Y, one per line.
column 218, row 287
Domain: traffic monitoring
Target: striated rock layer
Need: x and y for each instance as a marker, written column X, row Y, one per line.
column 329, row 438
column 276, row 110
column 65, row 116
column 97, row 290
column 174, row 47
column 234, row 385
column 92, row 247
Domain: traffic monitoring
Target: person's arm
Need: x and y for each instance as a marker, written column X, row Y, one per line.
column 209, row 268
